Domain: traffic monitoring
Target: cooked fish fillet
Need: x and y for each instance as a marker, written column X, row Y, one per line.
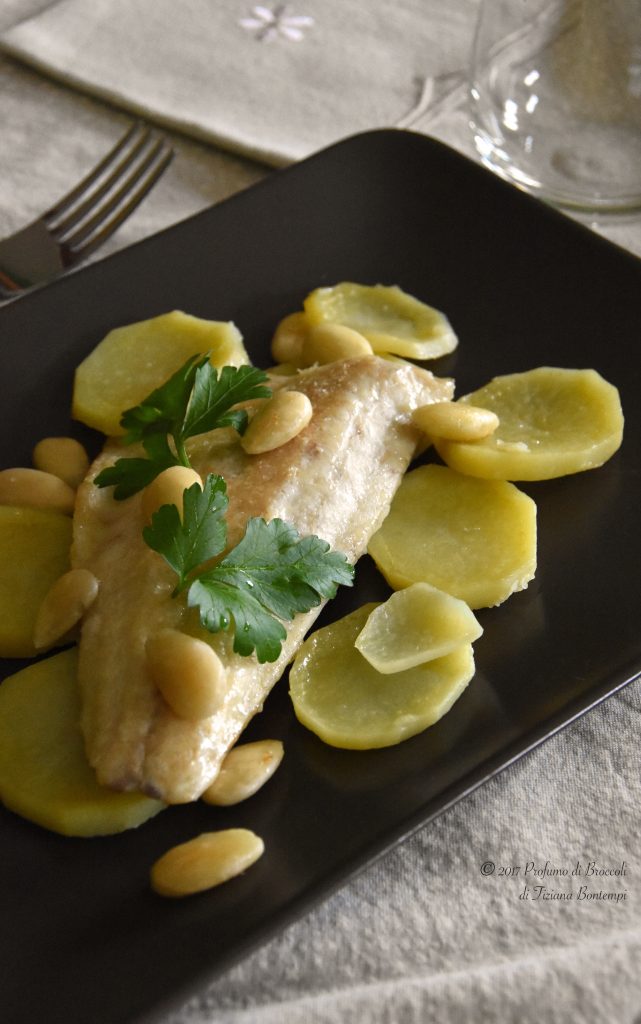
column 336, row 479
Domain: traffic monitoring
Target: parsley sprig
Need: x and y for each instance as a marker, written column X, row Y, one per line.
column 195, row 400
column 272, row 574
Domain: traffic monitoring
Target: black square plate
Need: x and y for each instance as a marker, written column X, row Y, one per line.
column 82, row 937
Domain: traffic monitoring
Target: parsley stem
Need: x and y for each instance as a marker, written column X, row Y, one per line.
column 181, row 452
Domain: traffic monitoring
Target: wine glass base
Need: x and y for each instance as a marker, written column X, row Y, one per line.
column 574, row 170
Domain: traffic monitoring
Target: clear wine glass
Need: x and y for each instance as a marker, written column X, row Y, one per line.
column 556, row 99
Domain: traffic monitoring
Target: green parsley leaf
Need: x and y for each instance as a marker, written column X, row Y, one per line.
column 164, row 410
column 223, row 603
column 213, row 396
column 200, row 535
column 195, row 400
column 271, row 572
column 271, row 575
column 128, row 476
column 293, row 573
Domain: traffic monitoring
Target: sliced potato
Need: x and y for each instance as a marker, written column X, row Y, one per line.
column 390, row 319
column 131, row 361
column 34, row 552
column 552, row 422
column 416, row 625
column 44, row 775
column 339, row 696
column 474, row 539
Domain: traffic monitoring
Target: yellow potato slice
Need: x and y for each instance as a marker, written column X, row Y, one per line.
column 44, row 775
column 416, row 625
column 474, row 539
column 34, row 552
column 341, row 698
column 132, row 361
column 390, row 319
column 552, row 422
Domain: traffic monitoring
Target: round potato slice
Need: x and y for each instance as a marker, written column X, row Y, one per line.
column 416, row 625
column 474, row 539
column 390, row 319
column 341, row 698
column 552, row 422
column 34, row 553
column 131, row 361
column 44, row 775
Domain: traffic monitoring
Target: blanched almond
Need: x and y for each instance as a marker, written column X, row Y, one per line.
column 454, row 421
column 188, row 673
column 278, row 421
column 35, row 489
column 289, row 337
column 206, row 861
column 168, row 489
column 245, row 769
column 327, row 342
column 64, row 606
column 64, row 457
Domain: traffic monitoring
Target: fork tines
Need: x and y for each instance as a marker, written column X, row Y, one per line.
column 91, row 212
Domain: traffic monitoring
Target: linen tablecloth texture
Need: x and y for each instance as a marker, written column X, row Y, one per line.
column 422, row 936
column 273, row 82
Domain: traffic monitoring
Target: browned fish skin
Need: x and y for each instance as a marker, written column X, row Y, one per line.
column 335, row 479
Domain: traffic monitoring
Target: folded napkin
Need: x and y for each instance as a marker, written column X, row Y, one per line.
column 274, row 81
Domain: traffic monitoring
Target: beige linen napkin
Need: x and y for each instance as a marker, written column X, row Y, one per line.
column 274, row 81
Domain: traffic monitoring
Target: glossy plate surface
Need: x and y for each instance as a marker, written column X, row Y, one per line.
column 81, row 935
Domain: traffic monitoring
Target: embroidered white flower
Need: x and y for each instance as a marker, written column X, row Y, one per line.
column 270, row 22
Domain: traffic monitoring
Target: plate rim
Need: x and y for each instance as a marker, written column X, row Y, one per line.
column 509, row 755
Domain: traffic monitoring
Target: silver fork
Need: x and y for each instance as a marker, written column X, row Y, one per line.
column 87, row 216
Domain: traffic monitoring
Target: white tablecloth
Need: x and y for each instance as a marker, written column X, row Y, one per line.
column 423, row 935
